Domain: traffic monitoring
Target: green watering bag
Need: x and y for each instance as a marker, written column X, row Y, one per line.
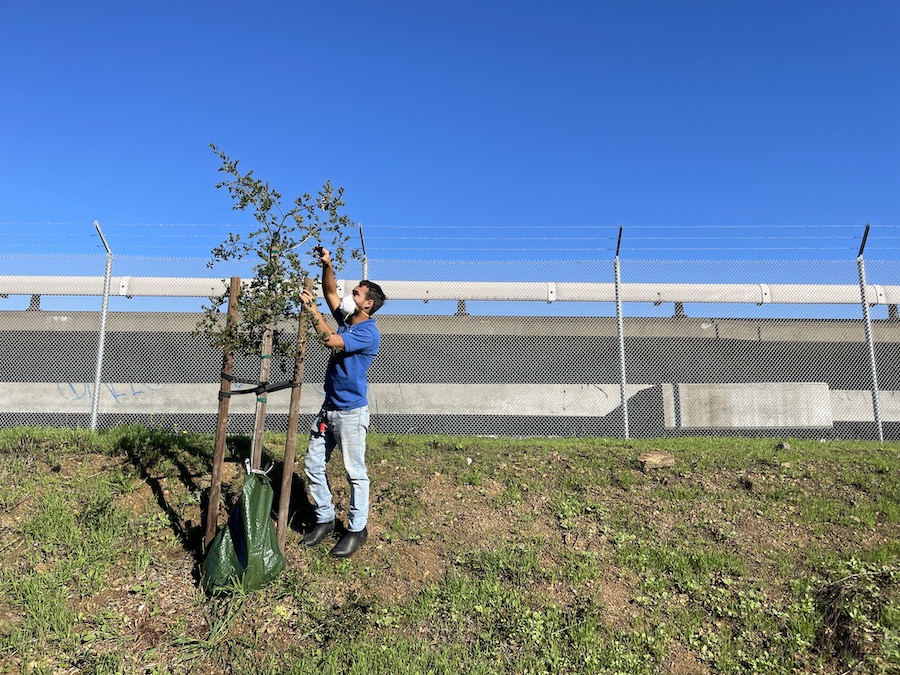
column 246, row 552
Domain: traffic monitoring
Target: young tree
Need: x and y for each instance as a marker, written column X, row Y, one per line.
column 282, row 246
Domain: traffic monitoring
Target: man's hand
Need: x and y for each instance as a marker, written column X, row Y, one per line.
column 324, row 255
column 309, row 301
column 329, row 284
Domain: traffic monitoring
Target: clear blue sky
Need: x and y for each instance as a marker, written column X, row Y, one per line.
column 454, row 121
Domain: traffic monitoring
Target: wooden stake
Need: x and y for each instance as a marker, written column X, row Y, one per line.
column 290, row 443
column 215, row 490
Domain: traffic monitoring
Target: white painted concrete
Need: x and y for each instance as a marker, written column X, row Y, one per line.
column 748, row 406
column 755, row 405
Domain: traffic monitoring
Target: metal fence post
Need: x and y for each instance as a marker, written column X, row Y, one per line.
column 621, row 332
column 861, row 269
column 365, row 258
column 95, row 405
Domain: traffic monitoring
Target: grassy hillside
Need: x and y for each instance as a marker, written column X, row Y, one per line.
column 485, row 556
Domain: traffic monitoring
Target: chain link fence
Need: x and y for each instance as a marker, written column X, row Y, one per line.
column 699, row 347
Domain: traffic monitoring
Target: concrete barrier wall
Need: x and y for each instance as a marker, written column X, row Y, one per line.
column 469, row 374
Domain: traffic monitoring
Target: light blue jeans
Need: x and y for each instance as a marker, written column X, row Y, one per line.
column 347, row 429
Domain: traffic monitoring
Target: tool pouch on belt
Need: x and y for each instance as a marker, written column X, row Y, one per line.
column 320, row 423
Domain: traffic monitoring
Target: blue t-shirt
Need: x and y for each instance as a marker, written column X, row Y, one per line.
column 346, row 383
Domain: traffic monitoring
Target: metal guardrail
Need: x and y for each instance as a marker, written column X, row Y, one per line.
column 753, row 294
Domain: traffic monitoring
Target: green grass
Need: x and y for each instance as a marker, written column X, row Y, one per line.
column 486, row 556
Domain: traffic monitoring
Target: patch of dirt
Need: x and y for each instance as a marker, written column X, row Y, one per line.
column 681, row 661
column 459, row 518
column 403, row 569
column 615, row 596
column 139, row 501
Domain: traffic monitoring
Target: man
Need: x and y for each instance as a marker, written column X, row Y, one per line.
column 344, row 418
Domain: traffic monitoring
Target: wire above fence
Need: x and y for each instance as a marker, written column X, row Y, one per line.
column 480, row 241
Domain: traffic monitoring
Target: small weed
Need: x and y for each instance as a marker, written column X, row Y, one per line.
column 679, row 492
column 570, row 507
column 517, row 564
column 216, row 645
column 580, row 566
column 860, row 607
column 512, row 495
column 625, row 479
column 473, row 475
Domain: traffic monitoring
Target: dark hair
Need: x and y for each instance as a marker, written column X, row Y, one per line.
column 373, row 293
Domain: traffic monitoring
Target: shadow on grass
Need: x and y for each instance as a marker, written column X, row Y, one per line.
column 177, row 467
column 172, row 465
column 162, row 457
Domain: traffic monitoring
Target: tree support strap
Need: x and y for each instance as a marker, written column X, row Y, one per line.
column 260, row 388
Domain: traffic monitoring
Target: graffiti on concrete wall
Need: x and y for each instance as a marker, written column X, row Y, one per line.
column 78, row 391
